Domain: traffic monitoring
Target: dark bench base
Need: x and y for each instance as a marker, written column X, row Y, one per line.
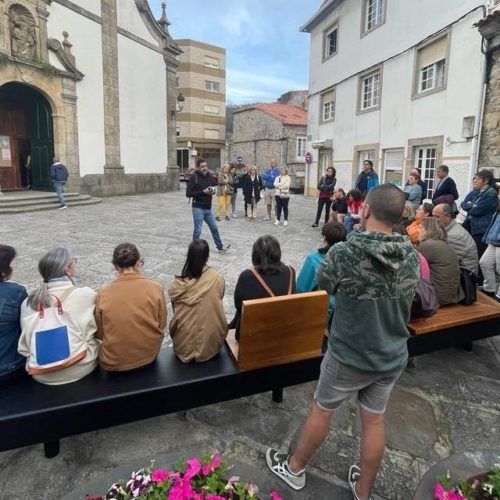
column 32, row 413
column 458, row 336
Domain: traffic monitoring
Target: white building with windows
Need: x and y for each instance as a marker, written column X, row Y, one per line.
column 397, row 82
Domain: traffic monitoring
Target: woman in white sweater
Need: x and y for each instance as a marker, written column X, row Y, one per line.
column 282, row 195
column 57, row 269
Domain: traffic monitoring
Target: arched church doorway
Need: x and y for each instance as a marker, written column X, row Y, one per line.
column 26, row 137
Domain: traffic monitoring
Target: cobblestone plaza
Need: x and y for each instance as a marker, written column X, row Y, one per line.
column 431, row 415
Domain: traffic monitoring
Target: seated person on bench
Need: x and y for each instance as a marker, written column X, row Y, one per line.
column 131, row 314
column 199, row 326
column 47, row 362
column 268, row 278
column 332, row 232
column 443, row 262
column 12, row 295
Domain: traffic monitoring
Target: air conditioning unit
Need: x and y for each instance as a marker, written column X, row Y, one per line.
column 322, row 144
column 194, row 152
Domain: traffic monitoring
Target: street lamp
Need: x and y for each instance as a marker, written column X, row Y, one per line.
column 179, row 105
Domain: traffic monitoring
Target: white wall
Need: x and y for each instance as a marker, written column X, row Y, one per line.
column 400, row 118
column 130, row 19
column 93, row 6
column 143, row 108
column 85, row 35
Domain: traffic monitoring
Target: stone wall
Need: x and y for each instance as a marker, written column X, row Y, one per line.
column 489, row 152
column 258, row 138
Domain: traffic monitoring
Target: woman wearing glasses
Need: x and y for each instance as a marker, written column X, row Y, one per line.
column 57, row 269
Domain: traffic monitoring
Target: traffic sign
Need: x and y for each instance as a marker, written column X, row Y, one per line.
column 308, row 157
column 239, row 159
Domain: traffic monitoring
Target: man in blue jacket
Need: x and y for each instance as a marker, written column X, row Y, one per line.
column 367, row 178
column 59, row 175
column 268, row 177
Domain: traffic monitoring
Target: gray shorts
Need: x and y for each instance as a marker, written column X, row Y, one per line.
column 338, row 382
column 269, row 196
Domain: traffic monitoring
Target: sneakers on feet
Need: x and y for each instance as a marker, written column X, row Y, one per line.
column 278, row 463
column 276, row 222
column 267, row 218
column 352, row 479
column 225, row 249
column 234, row 216
column 314, row 225
column 285, row 223
column 63, row 207
column 227, row 217
column 217, row 218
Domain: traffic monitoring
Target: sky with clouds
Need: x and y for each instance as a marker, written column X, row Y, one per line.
column 267, row 55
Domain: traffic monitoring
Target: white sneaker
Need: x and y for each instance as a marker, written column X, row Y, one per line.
column 234, row 216
column 285, row 223
column 267, row 218
column 63, row 207
column 276, row 222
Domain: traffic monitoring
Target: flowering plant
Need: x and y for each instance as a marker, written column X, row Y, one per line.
column 192, row 479
column 482, row 487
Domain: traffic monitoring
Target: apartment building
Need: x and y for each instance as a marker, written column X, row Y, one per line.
column 397, row 82
column 201, row 125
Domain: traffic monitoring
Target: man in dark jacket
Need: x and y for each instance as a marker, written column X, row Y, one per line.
column 367, row 178
column 59, row 175
column 446, row 189
column 201, row 188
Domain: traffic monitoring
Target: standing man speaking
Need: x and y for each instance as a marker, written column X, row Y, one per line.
column 201, row 188
column 268, row 177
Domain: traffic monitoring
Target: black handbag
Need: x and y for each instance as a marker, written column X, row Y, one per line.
column 468, row 282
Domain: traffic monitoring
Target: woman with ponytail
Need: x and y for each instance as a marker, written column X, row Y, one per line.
column 57, row 269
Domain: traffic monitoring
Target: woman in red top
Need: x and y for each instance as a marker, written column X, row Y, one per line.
column 325, row 192
column 354, row 206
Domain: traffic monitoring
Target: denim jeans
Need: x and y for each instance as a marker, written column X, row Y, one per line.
column 233, row 201
column 206, row 214
column 59, row 187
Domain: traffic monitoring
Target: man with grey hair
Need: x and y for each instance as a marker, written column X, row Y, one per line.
column 457, row 237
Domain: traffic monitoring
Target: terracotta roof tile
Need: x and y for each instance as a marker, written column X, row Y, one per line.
column 286, row 114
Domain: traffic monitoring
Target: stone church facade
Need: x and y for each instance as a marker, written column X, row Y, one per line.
column 92, row 82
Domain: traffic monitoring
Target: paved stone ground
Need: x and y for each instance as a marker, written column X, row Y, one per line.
column 447, row 402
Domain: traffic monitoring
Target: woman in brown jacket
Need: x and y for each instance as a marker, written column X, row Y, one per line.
column 131, row 314
column 199, row 326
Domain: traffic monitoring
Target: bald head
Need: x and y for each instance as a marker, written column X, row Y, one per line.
column 443, row 213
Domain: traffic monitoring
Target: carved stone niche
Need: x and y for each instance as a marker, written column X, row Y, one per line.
column 22, row 30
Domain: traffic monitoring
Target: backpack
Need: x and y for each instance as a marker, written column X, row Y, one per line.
column 61, row 173
column 57, row 341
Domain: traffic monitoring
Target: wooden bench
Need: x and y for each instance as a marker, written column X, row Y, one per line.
column 455, row 326
column 32, row 413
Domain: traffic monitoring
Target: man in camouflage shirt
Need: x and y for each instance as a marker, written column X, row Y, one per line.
column 373, row 275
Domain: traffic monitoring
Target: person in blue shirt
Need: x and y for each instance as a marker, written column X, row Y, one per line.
column 332, row 232
column 268, row 177
column 12, row 296
column 367, row 178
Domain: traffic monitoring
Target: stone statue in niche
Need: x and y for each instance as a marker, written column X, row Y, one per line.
column 22, row 33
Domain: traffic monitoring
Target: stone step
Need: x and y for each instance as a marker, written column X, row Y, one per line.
column 32, row 196
column 37, row 207
column 52, row 200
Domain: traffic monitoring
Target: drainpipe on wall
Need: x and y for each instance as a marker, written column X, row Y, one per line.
column 476, row 140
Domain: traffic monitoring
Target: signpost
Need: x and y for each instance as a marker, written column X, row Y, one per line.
column 239, row 159
column 308, row 157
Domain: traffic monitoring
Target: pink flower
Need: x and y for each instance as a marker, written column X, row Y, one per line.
column 214, row 463
column 275, row 496
column 181, row 490
column 193, row 468
column 440, row 493
column 158, row 476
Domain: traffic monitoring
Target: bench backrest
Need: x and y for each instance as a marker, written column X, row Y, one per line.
column 278, row 330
